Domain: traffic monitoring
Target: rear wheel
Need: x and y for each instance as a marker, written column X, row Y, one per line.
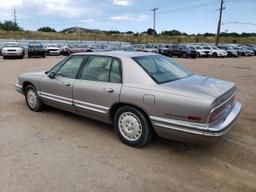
column 32, row 99
column 4, row 57
column 170, row 54
column 132, row 126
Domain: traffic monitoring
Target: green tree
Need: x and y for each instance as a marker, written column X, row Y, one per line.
column 10, row 26
column 151, row 31
column 47, row 29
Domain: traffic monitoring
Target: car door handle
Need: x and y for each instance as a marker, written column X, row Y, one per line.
column 110, row 90
column 66, row 84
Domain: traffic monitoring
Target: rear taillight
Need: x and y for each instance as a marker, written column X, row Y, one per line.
column 217, row 114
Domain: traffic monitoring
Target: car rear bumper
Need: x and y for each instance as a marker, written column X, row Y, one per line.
column 195, row 132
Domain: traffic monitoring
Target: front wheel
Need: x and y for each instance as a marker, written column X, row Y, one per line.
column 214, row 55
column 132, row 126
column 184, row 55
column 32, row 99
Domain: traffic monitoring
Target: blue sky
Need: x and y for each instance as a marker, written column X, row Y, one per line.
column 190, row 16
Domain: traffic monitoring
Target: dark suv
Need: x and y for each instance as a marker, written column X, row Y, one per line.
column 182, row 51
column 36, row 49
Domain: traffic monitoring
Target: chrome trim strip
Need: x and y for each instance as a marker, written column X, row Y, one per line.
column 58, row 100
column 90, row 104
column 90, row 108
column 179, row 129
column 18, row 86
column 215, row 129
column 55, row 96
column 76, row 103
column 197, row 126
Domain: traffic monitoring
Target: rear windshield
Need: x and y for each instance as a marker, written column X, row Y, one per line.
column 161, row 69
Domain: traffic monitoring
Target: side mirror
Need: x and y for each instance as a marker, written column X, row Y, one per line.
column 52, row 75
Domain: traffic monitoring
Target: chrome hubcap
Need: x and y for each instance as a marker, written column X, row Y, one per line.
column 130, row 126
column 31, row 98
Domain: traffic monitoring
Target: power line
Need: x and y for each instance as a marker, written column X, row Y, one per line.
column 237, row 22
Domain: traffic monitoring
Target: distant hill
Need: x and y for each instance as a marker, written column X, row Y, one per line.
column 78, row 30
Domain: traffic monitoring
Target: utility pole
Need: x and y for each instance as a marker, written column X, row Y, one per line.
column 15, row 18
column 154, row 18
column 219, row 22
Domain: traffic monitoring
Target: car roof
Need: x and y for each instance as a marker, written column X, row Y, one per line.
column 118, row 53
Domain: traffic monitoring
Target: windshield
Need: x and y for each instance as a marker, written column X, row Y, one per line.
column 162, row 69
column 12, row 45
column 149, row 46
column 208, row 48
column 51, row 45
column 215, row 48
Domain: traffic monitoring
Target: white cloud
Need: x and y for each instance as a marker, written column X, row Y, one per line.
column 87, row 21
column 122, row 2
column 63, row 8
column 10, row 3
column 130, row 17
column 58, row 8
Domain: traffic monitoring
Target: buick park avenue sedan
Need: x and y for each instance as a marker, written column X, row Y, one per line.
column 141, row 94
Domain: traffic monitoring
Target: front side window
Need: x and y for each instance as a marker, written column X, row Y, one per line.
column 70, row 68
column 162, row 69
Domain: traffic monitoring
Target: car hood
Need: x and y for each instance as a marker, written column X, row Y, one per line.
column 199, row 87
column 12, row 48
column 56, row 48
column 38, row 74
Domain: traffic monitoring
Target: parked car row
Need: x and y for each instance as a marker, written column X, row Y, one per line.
column 14, row 49
column 207, row 50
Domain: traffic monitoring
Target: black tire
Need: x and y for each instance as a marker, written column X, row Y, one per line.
column 214, row 55
column 198, row 55
column 43, row 55
column 39, row 104
column 22, row 57
column 4, row 57
column 184, row 55
column 146, row 128
column 242, row 54
column 29, row 56
column 170, row 54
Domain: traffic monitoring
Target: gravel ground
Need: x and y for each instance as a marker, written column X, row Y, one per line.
column 62, row 152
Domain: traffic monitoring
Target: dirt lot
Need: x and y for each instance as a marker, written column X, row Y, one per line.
column 57, row 151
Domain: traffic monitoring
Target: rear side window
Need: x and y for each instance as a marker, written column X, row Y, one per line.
column 97, row 69
column 115, row 74
column 102, row 69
